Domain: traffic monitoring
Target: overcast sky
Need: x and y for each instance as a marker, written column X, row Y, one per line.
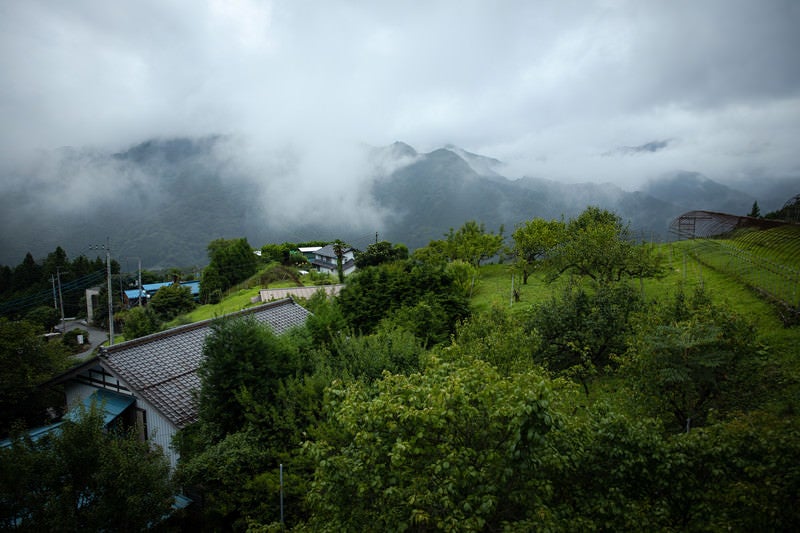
column 606, row 90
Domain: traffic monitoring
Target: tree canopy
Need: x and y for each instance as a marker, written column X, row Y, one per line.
column 471, row 243
column 83, row 478
column 533, row 240
column 380, row 252
column 389, row 290
column 231, row 261
column 599, row 246
column 450, row 448
column 26, row 361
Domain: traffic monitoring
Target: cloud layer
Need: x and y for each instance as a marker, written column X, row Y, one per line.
column 551, row 88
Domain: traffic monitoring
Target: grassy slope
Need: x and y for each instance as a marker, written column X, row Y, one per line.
column 779, row 372
column 494, row 289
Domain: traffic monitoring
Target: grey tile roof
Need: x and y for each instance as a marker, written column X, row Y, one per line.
column 162, row 368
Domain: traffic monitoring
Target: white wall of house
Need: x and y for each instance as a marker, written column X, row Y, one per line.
column 77, row 392
column 159, row 431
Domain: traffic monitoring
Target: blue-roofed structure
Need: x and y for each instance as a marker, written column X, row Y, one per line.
column 149, row 289
column 113, row 406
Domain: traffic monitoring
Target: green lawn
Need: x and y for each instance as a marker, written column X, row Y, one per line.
column 493, row 289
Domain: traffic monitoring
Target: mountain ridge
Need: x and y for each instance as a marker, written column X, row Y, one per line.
column 164, row 200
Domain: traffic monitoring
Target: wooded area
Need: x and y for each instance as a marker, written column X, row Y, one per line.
column 614, row 395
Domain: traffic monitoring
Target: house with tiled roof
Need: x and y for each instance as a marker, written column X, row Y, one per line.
column 159, row 372
column 324, row 260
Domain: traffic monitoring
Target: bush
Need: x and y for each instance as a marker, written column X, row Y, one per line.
column 70, row 339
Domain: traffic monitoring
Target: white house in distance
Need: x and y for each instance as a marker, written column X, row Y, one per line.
column 152, row 380
column 324, row 260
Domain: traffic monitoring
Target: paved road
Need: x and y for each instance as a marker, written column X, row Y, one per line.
column 97, row 336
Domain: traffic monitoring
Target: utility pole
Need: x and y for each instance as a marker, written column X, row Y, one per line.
column 139, row 286
column 110, row 299
column 61, row 298
column 55, row 297
column 107, row 248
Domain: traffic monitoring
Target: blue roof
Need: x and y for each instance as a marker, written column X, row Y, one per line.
column 34, row 434
column 148, row 289
column 113, row 405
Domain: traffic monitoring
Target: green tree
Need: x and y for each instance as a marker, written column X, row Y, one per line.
column 683, row 354
column 583, row 332
column 750, row 460
column 470, row 243
column 610, row 472
column 499, row 338
column 231, row 261
column 100, row 318
column 375, row 293
column 82, row 478
column 45, row 316
column 755, row 212
column 212, row 285
column 380, row 252
column 170, row 301
column 452, row 448
column 256, row 403
column 366, row 357
column 533, row 240
column 230, row 475
column 339, row 248
column 241, row 357
column 55, row 262
column 428, row 320
column 139, row 321
column 326, row 321
column 81, row 266
column 600, row 247
column 464, row 276
column 27, row 274
column 26, row 361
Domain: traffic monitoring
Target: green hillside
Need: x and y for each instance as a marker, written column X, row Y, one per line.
column 767, row 261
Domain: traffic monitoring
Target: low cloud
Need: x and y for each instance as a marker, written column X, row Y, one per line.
column 546, row 87
column 646, row 148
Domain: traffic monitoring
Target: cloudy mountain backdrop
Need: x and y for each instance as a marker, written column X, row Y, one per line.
column 164, row 200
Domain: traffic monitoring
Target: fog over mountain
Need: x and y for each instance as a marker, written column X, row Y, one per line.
column 164, row 200
column 119, row 120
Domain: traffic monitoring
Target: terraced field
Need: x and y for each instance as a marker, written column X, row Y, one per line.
column 768, row 261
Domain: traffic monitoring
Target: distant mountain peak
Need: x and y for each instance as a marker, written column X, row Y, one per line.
column 401, row 149
column 692, row 190
column 172, row 149
column 481, row 164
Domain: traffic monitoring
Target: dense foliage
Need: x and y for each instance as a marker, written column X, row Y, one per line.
column 452, row 448
column 170, row 301
column 401, row 291
column 470, row 243
column 230, row 262
column 593, row 410
column 583, row 331
column 380, row 252
column 82, row 477
column 34, row 282
column 400, row 408
column 26, row 361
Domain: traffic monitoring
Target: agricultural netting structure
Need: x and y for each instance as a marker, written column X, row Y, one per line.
column 764, row 254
